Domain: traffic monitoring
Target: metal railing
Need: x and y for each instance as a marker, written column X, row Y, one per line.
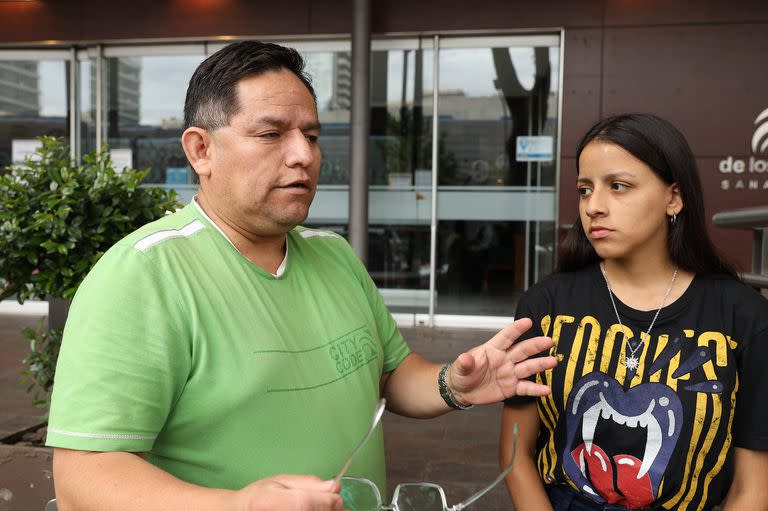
column 755, row 219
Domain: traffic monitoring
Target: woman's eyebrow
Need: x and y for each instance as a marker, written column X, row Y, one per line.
column 608, row 177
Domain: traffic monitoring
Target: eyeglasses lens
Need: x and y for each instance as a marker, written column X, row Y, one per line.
column 417, row 497
column 359, row 495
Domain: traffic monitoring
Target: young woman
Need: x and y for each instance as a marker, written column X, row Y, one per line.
column 659, row 399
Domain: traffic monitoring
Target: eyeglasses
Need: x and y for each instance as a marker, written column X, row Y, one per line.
column 363, row 495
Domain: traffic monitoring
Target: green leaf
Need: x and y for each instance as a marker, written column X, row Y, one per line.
column 50, row 245
column 57, row 217
column 63, row 211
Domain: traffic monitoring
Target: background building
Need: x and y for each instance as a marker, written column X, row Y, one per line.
column 20, row 93
column 502, row 72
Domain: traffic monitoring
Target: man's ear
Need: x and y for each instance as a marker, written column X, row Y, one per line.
column 197, row 146
column 675, row 203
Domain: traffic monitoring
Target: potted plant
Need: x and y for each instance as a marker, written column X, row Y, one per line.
column 57, row 217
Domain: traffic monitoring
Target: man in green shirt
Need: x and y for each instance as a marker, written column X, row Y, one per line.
column 224, row 358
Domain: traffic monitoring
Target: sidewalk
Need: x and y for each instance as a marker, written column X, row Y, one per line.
column 457, row 451
column 16, row 410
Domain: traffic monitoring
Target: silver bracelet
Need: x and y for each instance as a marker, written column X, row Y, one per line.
column 445, row 391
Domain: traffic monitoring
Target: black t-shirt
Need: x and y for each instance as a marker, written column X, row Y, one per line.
column 662, row 435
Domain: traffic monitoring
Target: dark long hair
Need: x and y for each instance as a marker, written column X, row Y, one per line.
column 664, row 149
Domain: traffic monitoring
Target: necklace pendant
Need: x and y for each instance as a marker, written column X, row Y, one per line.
column 632, row 363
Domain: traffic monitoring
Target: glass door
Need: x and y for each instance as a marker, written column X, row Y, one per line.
column 400, row 197
column 498, row 109
column 400, row 143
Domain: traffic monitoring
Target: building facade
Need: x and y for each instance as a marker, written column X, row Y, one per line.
column 509, row 86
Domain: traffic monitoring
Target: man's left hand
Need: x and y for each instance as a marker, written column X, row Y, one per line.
column 499, row 368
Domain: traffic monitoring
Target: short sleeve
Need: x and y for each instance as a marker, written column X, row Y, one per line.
column 124, row 359
column 750, row 426
column 392, row 342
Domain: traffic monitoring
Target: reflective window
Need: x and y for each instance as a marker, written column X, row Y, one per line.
column 87, row 105
column 400, row 200
column 496, row 202
column 145, row 116
column 400, row 147
column 497, row 123
column 332, row 80
column 331, row 76
column 496, row 208
column 33, row 102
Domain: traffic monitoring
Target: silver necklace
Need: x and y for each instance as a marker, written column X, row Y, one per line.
column 632, row 361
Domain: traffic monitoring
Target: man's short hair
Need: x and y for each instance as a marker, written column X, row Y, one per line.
column 212, row 97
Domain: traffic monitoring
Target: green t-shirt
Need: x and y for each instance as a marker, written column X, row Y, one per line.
column 179, row 346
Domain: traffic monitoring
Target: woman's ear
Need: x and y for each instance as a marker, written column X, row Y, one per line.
column 197, row 145
column 675, row 203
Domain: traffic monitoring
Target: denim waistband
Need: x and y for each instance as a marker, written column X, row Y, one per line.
column 578, row 502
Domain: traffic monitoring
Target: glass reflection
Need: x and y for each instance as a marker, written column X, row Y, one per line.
column 495, row 204
column 332, row 80
column 494, row 238
column 400, row 163
column 145, row 116
column 489, row 97
column 401, row 139
column 87, row 106
column 400, row 201
column 33, row 102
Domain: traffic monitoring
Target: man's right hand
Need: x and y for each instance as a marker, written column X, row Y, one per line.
column 123, row 481
column 295, row 492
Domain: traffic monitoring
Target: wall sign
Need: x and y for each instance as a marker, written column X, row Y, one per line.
column 750, row 174
column 121, row 158
column 533, row 149
column 22, row 147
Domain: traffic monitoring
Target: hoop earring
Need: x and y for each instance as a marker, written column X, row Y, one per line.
column 673, row 218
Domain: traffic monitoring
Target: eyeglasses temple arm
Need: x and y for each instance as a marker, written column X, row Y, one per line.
column 499, row 478
column 377, row 413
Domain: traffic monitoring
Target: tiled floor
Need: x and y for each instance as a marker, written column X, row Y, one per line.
column 457, row 451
